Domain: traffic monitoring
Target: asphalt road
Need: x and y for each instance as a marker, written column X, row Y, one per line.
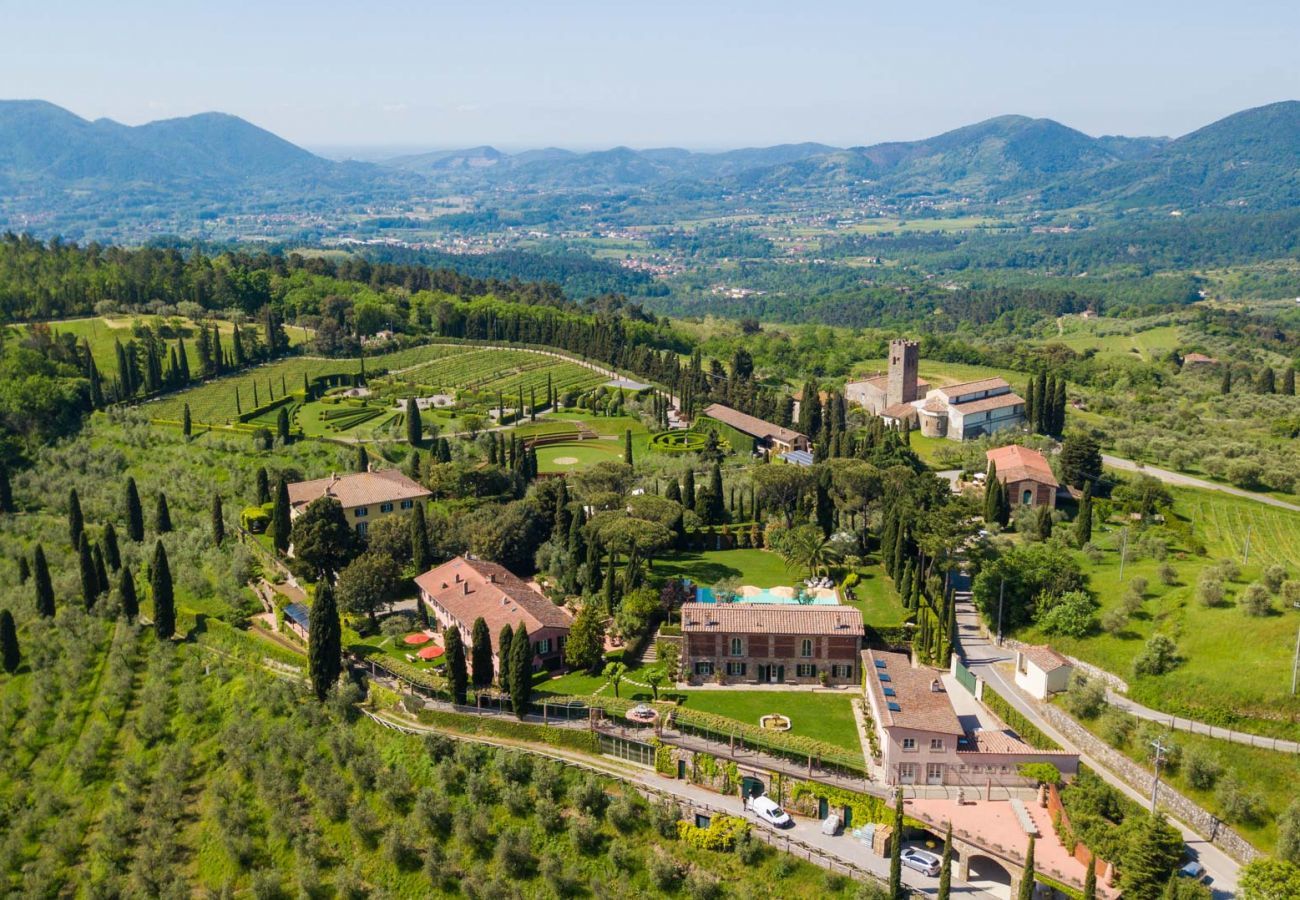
column 1181, row 480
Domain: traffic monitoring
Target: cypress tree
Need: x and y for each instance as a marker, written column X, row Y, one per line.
column 182, row 361
column 44, row 589
column 413, row 465
column 414, row 427
column 1027, row 879
column 481, row 654
column 896, row 850
column 24, row 570
column 6, row 490
column 1058, row 409
column 905, row 586
column 1042, row 401
column 945, row 867
column 505, row 637
column 1044, row 522
column 627, row 446
column 263, row 487
column 164, row 604
column 1030, row 400
column 324, row 641
column 10, row 656
column 134, row 512
column 1090, row 880
column 1225, row 386
column 280, row 517
column 76, row 522
column 162, row 517
column 102, row 584
column 444, row 450
column 187, row 426
column 673, row 491
column 363, row 459
column 900, row 553
column 218, row 520
column 1267, row 381
column 1083, row 521
column 86, row 566
column 112, row 554
column 521, row 670
column 419, row 539
column 126, row 595
column 714, row 512
column 456, row 676
column 282, row 425
column 1288, row 381
column 688, row 489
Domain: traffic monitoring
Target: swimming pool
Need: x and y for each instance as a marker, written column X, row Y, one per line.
column 751, row 594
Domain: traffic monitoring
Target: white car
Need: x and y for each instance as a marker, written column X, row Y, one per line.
column 922, row 860
column 767, row 809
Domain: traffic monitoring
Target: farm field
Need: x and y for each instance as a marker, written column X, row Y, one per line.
column 942, row 373
column 1209, row 683
column 505, row 371
column 1144, row 344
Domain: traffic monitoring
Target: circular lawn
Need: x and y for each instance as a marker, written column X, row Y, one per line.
column 570, row 457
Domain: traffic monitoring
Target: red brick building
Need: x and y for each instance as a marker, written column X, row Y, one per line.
column 1026, row 475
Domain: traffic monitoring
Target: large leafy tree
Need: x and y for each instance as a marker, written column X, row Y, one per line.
column 521, row 670
column 164, row 601
column 1080, row 460
column 324, row 641
column 585, row 647
column 1030, row 573
column 481, row 653
column 367, row 584
column 456, row 674
column 322, row 538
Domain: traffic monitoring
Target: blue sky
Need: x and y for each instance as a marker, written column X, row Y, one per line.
column 698, row 74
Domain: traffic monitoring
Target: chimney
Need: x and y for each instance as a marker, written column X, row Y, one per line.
column 936, row 686
column 465, row 584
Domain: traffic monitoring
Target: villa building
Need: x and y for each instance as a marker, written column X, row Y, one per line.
column 364, row 496
column 771, row 643
column 461, row 590
column 1026, row 475
column 767, row 436
column 923, row 740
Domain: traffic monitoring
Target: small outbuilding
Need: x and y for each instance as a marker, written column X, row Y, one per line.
column 1041, row 671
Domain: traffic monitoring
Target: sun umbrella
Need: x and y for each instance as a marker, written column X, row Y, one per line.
column 431, row 652
column 418, row 638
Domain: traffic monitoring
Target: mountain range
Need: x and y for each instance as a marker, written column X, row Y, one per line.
column 53, row 159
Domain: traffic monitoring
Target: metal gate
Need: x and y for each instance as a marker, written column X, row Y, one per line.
column 965, row 677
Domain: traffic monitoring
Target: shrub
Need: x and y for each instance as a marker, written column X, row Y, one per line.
column 1202, row 768
column 1254, row 600
column 664, row 871
column 1273, row 578
column 1070, row 614
column 1209, row 589
column 1158, row 656
column 703, row 885
column 1085, row 698
column 625, row 814
column 1168, row 574
column 720, row 836
column 1237, row 803
column 1291, row 593
column 585, row 835
column 1228, row 569
column 1113, row 621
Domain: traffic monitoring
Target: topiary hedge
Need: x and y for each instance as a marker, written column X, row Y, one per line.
column 678, row 442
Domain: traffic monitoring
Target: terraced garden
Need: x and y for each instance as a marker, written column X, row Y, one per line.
column 505, row 371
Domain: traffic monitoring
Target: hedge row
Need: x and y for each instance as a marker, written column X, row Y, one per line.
column 581, row 740
column 1027, row 730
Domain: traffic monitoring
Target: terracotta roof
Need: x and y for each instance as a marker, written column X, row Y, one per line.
column 934, row 405
column 1016, row 463
column 881, row 382
column 751, row 424
column 358, row 489
column 984, row 740
column 899, row 411
column 469, row 588
column 1044, row 657
column 919, row 706
column 1200, row 359
column 770, row 618
column 974, row 387
column 995, row 402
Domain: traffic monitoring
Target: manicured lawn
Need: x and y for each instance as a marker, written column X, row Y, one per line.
column 757, row 567
column 825, row 717
column 577, row 455
column 877, row 599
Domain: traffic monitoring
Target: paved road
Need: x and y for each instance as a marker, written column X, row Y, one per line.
column 983, row 657
column 1178, row 478
column 1178, row 723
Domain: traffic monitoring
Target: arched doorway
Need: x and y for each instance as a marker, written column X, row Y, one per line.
column 751, row 786
column 988, row 874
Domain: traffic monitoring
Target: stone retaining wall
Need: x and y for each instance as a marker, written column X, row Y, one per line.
column 1114, row 681
column 1201, row 821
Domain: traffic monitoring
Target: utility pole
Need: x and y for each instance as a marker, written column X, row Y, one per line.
column 1245, row 558
column 1001, row 591
column 1295, row 663
column 1160, row 749
column 1123, row 553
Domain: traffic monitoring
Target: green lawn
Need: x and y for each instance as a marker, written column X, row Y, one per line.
column 571, row 457
column 1211, row 682
column 823, row 716
column 939, row 373
column 757, row 567
column 877, row 599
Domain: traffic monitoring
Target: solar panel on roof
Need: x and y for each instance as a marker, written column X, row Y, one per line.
column 894, row 707
column 884, row 676
column 890, row 692
column 880, row 664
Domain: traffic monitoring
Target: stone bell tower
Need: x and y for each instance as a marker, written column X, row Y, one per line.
column 904, row 357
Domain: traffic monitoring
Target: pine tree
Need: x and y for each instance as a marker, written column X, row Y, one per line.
column 218, row 520
column 481, row 654
column 896, row 850
column 164, row 607
column 414, row 427
column 324, row 641
column 162, row 517
column 10, row 656
column 457, row 678
column 6, row 490
column 280, row 524
column 126, row 595
column 1027, row 878
column 263, row 487
column 86, row 566
column 44, row 589
column 505, row 637
column 134, row 512
column 945, row 867
column 420, row 556
column 76, row 522
column 521, row 670
column 187, row 426
column 1083, row 520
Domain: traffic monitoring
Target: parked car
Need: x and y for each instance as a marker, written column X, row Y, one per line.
column 923, row 861
column 769, row 811
column 1193, row 870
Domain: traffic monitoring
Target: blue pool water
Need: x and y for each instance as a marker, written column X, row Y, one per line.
column 765, row 595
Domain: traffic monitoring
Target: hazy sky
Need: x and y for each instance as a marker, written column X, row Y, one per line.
column 698, row 74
